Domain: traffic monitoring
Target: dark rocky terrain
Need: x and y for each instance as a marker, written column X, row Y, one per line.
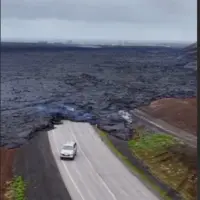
column 40, row 85
column 188, row 57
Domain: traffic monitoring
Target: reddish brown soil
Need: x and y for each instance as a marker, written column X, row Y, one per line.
column 6, row 163
column 181, row 113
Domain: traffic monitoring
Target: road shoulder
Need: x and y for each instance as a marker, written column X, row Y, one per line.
column 35, row 163
column 120, row 149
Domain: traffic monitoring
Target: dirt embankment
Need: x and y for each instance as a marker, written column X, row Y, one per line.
column 6, row 161
column 181, row 113
column 33, row 162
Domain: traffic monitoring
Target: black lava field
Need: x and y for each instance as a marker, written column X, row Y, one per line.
column 96, row 85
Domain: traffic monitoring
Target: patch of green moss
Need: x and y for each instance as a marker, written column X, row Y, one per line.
column 16, row 189
column 153, row 142
column 154, row 151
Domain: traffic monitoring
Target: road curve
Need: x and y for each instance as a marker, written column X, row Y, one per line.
column 95, row 174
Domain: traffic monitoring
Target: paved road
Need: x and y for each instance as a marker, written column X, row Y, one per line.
column 161, row 125
column 95, row 174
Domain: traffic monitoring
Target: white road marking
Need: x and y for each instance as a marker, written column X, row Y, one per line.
column 80, row 177
column 95, row 174
column 102, row 181
column 68, row 173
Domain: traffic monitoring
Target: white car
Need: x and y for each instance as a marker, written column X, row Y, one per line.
column 68, row 150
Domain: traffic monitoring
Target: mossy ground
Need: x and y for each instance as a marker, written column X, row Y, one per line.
column 15, row 189
column 168, row 159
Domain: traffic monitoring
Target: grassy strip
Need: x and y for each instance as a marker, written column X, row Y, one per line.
column 16, row 189
column 156, row 152
column 139, row 173
column 153, row 142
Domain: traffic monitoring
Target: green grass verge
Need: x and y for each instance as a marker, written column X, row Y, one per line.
column 139, row 173
column 166, row 162
column 153, row 142
column 16, row 189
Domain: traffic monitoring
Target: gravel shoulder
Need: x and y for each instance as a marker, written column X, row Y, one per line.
column 35, row 163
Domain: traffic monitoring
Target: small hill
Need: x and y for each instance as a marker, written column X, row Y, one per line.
column 181, row 113
column 188, row 57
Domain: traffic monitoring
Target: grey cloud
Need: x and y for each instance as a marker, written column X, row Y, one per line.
column 63, row 29
column 107, row 19
column 142, row 11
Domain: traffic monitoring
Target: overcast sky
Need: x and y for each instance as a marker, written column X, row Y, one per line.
column 137, row 20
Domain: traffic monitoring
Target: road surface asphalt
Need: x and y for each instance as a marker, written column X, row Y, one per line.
column 96, row 173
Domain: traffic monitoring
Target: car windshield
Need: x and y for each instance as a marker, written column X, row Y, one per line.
column 68, row 147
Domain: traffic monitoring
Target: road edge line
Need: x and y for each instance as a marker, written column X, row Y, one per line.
column 154, row 188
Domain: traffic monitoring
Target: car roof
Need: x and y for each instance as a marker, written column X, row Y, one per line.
column 70, row 143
